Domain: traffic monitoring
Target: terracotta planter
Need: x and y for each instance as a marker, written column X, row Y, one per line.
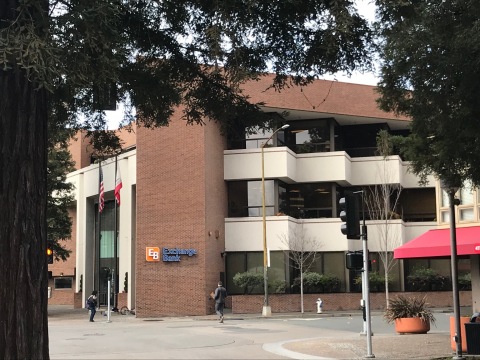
column 463, row 320
column 412, row 326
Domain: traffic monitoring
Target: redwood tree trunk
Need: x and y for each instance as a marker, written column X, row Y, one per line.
column 23, row 166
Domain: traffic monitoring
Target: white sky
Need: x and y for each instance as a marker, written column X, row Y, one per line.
column 365, row 8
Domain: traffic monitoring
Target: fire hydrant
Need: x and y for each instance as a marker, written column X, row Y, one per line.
column 319, row 306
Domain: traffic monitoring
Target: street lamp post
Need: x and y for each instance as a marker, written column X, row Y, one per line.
column 267, row 311
column 451, row 190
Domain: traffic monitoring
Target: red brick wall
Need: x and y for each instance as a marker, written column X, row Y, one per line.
column 81, row 150
column 280, row 303
column 327, row 96
column 175, row 167
column 122, row 300
column 65, row 269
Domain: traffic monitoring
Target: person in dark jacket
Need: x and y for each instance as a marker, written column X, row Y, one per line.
column 92, row 304
column 219, row 296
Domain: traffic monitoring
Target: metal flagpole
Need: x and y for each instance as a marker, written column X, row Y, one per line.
column 115, row 246
column 96, row 252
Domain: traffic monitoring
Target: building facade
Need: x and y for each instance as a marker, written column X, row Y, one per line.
column 191, row 203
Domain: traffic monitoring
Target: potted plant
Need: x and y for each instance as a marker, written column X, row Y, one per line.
column 410, row 315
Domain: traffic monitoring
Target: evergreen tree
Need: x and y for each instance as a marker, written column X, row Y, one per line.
column 82, row 56
column 59, row 191
column 430, row 73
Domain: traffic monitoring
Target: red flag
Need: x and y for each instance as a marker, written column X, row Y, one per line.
column 101, row 196
column 118, row 185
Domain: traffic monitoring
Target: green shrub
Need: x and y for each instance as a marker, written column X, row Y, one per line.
column 317, row 283
column 425, row 279
column 276, row 286
column 376, row 281
column 465, row 282
column 248, row 281
column 408, row 307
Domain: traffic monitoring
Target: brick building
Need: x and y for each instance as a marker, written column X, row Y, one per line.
column 191, row 209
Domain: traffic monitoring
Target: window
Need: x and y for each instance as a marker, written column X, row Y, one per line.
column 311, row 136
column 465, row 208
column 245, row 198
column 417, row 204
column 63, row 282
column 253, row 139
column 465, row 211
column 240, row 262
column 331, row 264
column 309, row 201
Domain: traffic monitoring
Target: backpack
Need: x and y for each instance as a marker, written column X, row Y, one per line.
column 88, row 302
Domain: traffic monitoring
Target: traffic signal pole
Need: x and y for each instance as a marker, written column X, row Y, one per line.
column 366, row 295
column 351, row 228
column 366, row 288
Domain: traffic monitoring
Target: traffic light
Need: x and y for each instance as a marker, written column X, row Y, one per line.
column 49, row 255
column 354, row 260
column 350, row 214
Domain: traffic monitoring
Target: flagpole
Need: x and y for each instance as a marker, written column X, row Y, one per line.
column 115, row 255
column 96, row 279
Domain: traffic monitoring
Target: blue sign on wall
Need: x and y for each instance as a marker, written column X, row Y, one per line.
column 173, row 254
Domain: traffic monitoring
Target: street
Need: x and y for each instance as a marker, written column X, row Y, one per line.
column 240, row 337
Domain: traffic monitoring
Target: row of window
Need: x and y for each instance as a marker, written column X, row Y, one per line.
column 314, row 136
column 469, row 208
column 332, row 264
column 316, row 200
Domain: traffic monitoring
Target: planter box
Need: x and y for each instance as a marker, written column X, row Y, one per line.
column 463, row 321
column 412, row 326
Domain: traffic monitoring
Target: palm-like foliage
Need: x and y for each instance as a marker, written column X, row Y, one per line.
column 408, row 307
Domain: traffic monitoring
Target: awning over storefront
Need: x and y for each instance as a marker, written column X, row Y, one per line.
column 435, row 243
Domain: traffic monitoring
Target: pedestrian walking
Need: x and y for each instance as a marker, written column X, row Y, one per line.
column 92, row 304
column 219, row 296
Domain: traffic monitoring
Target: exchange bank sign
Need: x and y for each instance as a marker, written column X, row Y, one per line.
column 168, row 254
column 174, row 254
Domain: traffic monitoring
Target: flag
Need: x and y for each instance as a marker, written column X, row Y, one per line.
column 118, row 185
column 101, row 195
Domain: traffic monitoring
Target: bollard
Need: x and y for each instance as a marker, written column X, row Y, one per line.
column 319, row 306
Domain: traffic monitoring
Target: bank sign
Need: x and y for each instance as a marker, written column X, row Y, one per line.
column 168, row 254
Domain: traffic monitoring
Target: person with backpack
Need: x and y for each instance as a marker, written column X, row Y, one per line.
column 92, row 304
column 219, row 296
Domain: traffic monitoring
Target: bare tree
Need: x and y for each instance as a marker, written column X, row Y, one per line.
column 301, row 249
column 381, row 201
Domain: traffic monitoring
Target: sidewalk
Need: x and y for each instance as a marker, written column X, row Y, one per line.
column 434, row 345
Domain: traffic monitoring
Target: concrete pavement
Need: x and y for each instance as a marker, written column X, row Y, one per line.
column 327, row 343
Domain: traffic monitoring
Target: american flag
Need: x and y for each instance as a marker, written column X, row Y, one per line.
column 101, row 196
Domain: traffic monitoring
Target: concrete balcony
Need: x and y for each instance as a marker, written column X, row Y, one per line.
column 282, row 163
column 246, row 234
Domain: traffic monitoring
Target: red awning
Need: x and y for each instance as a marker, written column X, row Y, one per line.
column 435, row 243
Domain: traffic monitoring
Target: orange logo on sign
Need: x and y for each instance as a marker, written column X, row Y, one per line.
column 153, row 254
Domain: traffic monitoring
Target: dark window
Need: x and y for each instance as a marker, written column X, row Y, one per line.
column 309, row 201
column 245, row 198
column 310, row 136
column 331, row 264
column 361, row 140
column 417, row 204
column 254, row 138
column 240, row 262
column 63, row 282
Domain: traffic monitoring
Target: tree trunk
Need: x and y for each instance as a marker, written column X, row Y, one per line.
column 23, row 238
column 301, row 289
column 387, row 291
